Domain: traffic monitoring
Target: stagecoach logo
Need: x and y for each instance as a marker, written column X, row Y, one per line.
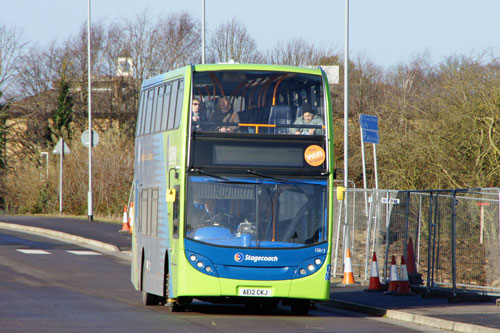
column 239, row 257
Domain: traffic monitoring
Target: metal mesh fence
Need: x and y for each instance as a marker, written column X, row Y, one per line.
column 455, row 235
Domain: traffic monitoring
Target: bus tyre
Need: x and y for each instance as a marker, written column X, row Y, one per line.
column 180, row 305
column 300, row 307
column 149, row 299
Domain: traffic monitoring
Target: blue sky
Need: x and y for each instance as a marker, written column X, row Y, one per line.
column 387, row 32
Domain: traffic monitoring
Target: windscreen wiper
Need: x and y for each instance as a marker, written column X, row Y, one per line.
column 278, row 180
column 253, row 172
column 202, row 172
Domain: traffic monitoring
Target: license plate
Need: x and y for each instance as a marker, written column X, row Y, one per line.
column 255, row 292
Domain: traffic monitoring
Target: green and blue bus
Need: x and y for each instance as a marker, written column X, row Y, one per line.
column 233, row 186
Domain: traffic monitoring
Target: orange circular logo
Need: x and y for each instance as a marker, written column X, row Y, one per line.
column 314, row 155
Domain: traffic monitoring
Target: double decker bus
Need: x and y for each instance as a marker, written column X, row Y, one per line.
column 233, row 187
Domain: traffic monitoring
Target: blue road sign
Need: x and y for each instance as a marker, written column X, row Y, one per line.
column 368, row 122
column 370, row 136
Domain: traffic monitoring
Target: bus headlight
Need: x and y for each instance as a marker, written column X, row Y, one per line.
column 201, row 263
column 309, row 266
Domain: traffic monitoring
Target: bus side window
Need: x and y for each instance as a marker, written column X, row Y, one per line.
column 148, row 223
column 149, row 111
column 164, row 110
column 171, row 109
column 154, row 212
column 175, row 213
column 178, row 108
column 140, row 114
column 156, row 109
column 144, row 212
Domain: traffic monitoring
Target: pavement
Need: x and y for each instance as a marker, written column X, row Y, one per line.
column 467, row 314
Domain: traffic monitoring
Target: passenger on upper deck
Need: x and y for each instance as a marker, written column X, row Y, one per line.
column 308, row 118
column 196, row 114
column 224, row 114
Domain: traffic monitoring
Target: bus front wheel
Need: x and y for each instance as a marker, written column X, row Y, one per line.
column 180, row 305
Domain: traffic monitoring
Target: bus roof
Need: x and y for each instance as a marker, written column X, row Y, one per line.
column 257, row 67
column 224, row 67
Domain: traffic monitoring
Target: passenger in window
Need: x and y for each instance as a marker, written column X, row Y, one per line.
column 224, row 114
column 308, row 118
column 196, row 114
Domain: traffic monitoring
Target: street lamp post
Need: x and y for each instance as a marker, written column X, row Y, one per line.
column 202, row 31
column 89, row 197
column 346, row 113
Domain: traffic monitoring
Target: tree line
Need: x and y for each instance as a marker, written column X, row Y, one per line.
column 438, row 122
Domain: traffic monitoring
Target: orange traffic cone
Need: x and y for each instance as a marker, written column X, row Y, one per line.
column 404, row 284
column 131, row 217
column 125, row 225
column 393, row 278
column 348, row 275
column 413, row 276
column 412, row 267
column 374, row 278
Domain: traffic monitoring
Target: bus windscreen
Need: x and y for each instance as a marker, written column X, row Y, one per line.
column 249, row 213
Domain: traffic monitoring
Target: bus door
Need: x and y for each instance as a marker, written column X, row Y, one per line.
column 173, row 209
column 135, row 253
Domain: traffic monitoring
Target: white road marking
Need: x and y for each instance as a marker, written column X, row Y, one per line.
column 33, row 251
column 85, row 253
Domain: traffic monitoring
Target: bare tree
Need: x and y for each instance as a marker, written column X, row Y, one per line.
column 159, row 45
column 180, row 42
column 232, row 42
column 36, row 100
column 139, row 39
column 12, row 47
column 297, row 52
column 405, row 109
column 466, row 149
column 73, row 54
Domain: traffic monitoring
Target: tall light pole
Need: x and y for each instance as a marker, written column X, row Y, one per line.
column 346, row 113
column 89, row 197
column 202, row 31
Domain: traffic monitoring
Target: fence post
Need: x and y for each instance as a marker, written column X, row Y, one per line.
column 435, row 228
column 336, row 259
column 429, row 242
column 454, row 242
column 407, row 223
column 419, row 229
column 368, row 233
column 351, row 246
column 387, row 233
